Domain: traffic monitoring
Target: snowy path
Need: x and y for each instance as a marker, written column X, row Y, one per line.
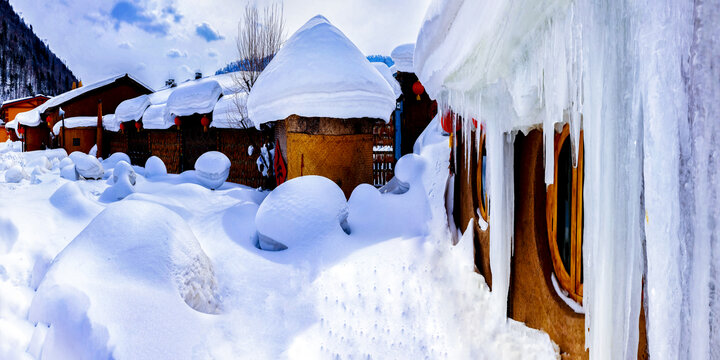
column 387, row 293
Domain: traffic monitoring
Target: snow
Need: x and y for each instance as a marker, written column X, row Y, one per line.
column 194, row 97
column 300, row 210
column 154, row 167
column 157, row 117
column 403, row 57
column 132, row 109
column 173, row 270
column 384, row 70
column 110, row 122
column 115, row 158
column 87, row 166
column 75, row 122
column 230, row 112
column 15, row 174
column 212, row 169
column 29, row 118
column 319, row 73
column 123, row 182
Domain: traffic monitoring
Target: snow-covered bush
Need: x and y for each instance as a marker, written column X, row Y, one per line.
column 154, row 166
column 212, row 169
column 300, row 211
column 87, row 166
column 15, row 174
column 133, row 256
column 123, row 183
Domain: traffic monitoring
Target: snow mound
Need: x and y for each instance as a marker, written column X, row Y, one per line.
column 133, row 255
column 403, row 57
column 384, row 70
column 319, row 72
column 110, row 122
column 87, row 166
column 132, row 109
column 299, row 211
column 194, row 97
column 212, row 169
column 15, row 174
column 72, row 202
column 41, row 162
column 154, row 166
column 123, row 179
column 375, row 214
column 231, row 112
column 113, row 159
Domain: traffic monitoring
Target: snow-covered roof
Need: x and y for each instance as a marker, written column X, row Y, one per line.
column 384, row 70
column 11, row 101
column 75, row 122
column 111, row 123
column 157, row 117
column 132, row 109
column 226, row 114
column 194, row 97
column 403, row 57
column 28, row 118
column 67, row 96
column 319, row 72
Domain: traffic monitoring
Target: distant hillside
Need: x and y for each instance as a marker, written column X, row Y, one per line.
column 27, row 66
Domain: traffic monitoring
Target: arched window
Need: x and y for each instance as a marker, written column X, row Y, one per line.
column 481, row 178
column 565, row 216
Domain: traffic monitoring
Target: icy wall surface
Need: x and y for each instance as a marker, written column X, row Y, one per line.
column 640, row 78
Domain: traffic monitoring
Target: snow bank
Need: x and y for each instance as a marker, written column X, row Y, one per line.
column 403, row 58
column 87, row 166
column 385, row 72
column 319, row 72
column 133, row 276
column 194, row 97
column 123, row 183
column 301, row 210
column 132, row 109
column 231, row 112
column 75, row 122
column 212, row 169
column 154, row 166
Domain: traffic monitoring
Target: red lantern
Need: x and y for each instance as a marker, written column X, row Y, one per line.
column 205, row 122
column 138, row 125
column 177, row 122
column 122, row 127
column 21, row 130
column 47, row 119
column 474, row 122
column 447, row 122
column 418, row 89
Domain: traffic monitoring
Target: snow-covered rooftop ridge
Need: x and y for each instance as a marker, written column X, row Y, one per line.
column 157, row 117
column 64, row 97
column 132, row 109
column 403, row 57
column 384, row 70
column 227, row 113
column 194, row 97
column 319, row 72
column 75, row 122
column 10, row 101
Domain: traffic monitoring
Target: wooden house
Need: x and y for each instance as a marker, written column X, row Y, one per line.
column 94, row 100
column 323, row 113
column 10, row 108
column 35, row 139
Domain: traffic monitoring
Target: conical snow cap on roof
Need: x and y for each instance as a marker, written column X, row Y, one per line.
column 319, row 72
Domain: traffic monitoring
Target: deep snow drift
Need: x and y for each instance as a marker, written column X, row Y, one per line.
column 174, row 270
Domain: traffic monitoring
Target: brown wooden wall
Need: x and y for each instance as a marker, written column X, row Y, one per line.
column 111, row 95
column 114, row 142
column 86, row 136
column 37, row 137
column 339, row 149
column 416, row 114
column 4, row 133
column 165, row 144
column 234, row 144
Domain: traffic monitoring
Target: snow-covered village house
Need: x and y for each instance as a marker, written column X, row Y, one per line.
column 70, row 120
column 577, row 135
column 11, row 108
column 323, row 97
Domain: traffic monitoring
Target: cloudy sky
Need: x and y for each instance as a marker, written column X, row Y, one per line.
column 160, row 39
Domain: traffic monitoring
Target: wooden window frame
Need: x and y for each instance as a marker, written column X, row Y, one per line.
column 571, row 281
